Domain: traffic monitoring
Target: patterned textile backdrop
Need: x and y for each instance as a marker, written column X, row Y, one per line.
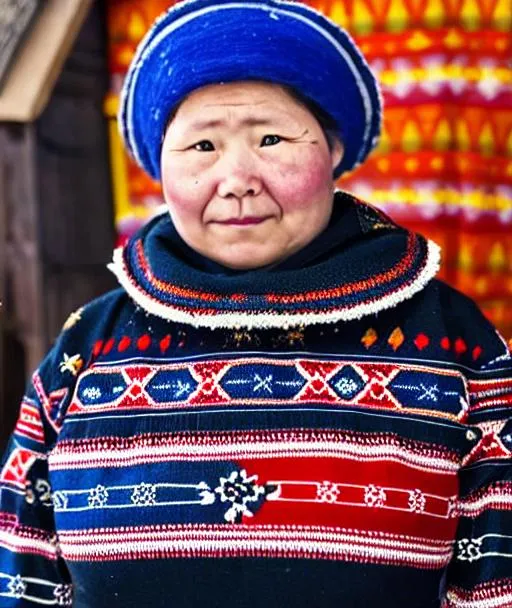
column 444, row 163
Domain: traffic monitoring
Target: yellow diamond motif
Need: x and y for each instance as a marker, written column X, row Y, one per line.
column 369, row 338
column 396, row 339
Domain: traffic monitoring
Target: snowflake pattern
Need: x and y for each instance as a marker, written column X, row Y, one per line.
column 469, row 549
column 60, row 500
column 374, row 496
column 346, row 386
column 452, row 510
column 98, row 496
column 144, row 495
column 417, row 501
column 92, row 392
column 238, row 489
column 73, row 319
column 327, row 492
column 71, row 364
column 263, row 384
column 64, row 595
column 17, row 586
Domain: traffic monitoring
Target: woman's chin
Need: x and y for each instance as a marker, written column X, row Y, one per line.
column 246, row 258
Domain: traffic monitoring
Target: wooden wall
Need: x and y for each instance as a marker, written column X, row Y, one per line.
column 56, row 218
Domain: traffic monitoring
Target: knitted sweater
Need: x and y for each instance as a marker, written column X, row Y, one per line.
column 332, row 435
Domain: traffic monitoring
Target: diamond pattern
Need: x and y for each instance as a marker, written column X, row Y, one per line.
column 347, row 382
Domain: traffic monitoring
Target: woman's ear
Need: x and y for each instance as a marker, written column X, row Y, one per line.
column 337, row 151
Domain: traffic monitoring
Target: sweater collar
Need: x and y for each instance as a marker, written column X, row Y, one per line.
column 361, row 264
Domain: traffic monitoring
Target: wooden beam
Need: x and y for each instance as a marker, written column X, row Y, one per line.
column 39, row 61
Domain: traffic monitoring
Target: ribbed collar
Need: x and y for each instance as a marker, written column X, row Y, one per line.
column 361, row 264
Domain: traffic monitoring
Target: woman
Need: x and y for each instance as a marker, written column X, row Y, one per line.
column 281, row 404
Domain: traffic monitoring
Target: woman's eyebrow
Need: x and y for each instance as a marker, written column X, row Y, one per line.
column 246, row 122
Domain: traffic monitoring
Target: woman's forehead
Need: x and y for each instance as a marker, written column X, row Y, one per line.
column 253, row 103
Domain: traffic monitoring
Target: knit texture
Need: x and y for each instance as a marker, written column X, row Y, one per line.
column 385, row 267
column 355, row 463
column 200, row 42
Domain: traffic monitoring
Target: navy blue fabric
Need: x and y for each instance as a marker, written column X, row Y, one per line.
column 255, row 583
column 360, row 245
column 116, row 341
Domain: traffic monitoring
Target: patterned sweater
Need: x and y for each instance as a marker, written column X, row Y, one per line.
column 333, row 435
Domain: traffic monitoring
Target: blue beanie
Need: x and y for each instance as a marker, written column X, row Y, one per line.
column 202, row 42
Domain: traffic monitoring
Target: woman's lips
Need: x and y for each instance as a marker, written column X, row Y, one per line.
column 244, row 221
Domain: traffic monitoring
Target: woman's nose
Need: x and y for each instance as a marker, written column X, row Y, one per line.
column 239, row 177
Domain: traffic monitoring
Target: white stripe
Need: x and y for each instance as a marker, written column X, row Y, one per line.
column 13, row 541
column 493, row 500
column 146, row 50
column 266, row 547
column 143, row 455
column 213, row 532
column 37, row 431
column 129, row 506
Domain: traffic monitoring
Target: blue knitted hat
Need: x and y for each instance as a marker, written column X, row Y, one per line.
column 202, row 42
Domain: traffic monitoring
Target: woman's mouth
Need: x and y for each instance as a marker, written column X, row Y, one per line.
column 244, row 221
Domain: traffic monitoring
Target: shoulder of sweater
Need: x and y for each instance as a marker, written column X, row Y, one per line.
column 465, row 321
column 73, row 348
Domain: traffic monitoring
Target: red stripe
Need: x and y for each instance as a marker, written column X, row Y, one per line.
column 348, row 471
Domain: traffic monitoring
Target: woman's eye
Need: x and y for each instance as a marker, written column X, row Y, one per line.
column 270, row 140
column 204, row 146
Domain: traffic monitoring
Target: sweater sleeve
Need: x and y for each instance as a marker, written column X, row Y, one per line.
column 32, row 573
column 480, row 575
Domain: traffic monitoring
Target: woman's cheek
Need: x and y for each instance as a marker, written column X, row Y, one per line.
column 296, row 184
column 187, row 195
column 178, row 191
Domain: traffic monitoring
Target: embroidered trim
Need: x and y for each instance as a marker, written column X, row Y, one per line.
column 491, row 594
column 239, row 490
column 488, row 545
column 498, row 496
column 260, row 381
column 212, row 318
column 234, row 445
column 29, row 422
column 239, row 540
column 25, row 539
column 36, row 590
column 487, row 394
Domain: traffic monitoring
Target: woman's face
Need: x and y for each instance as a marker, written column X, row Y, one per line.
column 247, row 174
